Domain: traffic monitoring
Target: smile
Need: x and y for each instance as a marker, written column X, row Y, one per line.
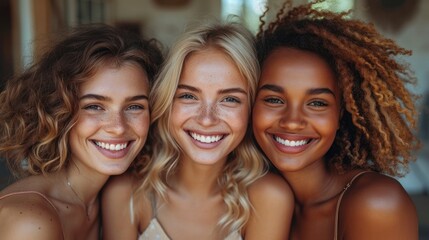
column 205, row 138
column 111, row 147
column 291, row 143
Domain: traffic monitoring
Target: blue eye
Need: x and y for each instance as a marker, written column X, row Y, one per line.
column 136, row 107
column 93, row 107
column 187, row 96
column 232, row 99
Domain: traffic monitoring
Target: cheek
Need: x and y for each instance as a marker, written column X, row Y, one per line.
column 328, row 125
column 139, row 124
column 263, row 118
column 86, row 124
column 238, row 118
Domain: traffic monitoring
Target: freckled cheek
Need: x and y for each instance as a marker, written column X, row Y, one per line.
column 237, row 118
column 138, row 123
column 89, row 121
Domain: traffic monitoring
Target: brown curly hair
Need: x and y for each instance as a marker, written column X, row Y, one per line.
column 39, row 107
column 378, row 119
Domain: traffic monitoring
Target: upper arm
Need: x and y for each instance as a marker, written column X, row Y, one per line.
column 273, row 205
column 29, row 217
column 380, row 211
column 116, row 211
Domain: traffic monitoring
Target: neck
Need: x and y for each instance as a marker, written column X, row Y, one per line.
column 85, row 185
column 313, row 185
column 198, row 179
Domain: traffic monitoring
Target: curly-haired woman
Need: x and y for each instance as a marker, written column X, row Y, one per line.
column 75, row 117
column 335, row 118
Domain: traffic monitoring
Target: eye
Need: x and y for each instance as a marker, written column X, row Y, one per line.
column 273, row 100
column 136, row 107
column 231, row 99
column 318, row 104
column 93, row 107
column 186, row 96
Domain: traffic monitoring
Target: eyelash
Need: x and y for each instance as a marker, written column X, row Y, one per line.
column 136, row 107
column 272, row 100
column 318, row 104
column 186, row 96
column 232, row 99
column 93, row 107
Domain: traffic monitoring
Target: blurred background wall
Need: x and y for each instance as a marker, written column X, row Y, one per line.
column 26, row 25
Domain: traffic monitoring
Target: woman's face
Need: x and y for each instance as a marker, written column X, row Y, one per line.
column 210, row 108
column 113, row 119
column 297, row 109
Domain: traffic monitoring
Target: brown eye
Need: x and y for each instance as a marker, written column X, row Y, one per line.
column 273, row 100
column 318, row 104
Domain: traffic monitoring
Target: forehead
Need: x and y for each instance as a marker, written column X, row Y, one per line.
column 111, row 79
column 290, row 65
column 211, row 66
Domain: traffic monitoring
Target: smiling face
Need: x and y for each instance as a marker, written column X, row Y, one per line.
column 113, row 120
column 211, row 107
column 297, row 110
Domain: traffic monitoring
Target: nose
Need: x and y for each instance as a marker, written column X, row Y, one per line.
column 293, row 119
column 208, row 114
column 115, row 123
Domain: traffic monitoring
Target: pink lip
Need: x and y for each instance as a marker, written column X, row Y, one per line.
column 290, row 149
column 114, row 154
column 206, row 145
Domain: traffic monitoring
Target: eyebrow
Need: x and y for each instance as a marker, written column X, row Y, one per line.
column 271, row 87
column 222, row 91
column 312, row 91
column 104, row 98
column 315, row 91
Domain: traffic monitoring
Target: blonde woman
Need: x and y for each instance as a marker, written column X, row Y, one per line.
column 205, row 179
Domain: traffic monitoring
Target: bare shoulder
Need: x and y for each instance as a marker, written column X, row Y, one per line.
column 119, row 184
column 25, row 216
column 273, row 205
column 271, row 185
column 380, row 205
column 118, row 189
column 120, row 217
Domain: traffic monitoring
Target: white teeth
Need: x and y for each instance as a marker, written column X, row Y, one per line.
column 291, row 143
column 112, row 147
column 206, row 139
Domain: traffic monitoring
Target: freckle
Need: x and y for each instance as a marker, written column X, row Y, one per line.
column 20, row 212
column 40, row 228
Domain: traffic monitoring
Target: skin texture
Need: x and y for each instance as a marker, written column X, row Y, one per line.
column 113, row 108
column 210, row 108
column 299, row 100
column 211, row 100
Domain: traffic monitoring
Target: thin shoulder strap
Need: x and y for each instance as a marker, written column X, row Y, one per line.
column 132, row 212
column 30, row 192
column 339, row 202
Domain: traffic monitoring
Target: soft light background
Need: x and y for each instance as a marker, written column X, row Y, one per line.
column 26, row 25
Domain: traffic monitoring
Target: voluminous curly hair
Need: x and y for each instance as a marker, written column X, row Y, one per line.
column 39, row 107
column 245, row 164
column 378, row 119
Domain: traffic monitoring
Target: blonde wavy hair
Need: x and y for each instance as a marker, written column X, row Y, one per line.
column 245, row 164
column 377, row 127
